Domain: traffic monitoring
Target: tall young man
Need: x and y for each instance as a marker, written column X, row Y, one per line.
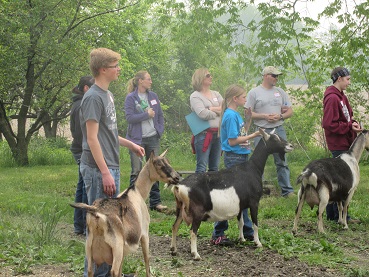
column 100, row 154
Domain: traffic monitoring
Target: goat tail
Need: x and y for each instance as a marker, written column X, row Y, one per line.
column 307, row 177
column 83, row 206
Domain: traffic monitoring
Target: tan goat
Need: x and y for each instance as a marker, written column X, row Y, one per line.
column 117, row 225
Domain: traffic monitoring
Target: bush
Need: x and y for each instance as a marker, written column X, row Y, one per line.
column 7, row 159
column 44, row 151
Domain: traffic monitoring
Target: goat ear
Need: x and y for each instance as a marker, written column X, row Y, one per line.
column 264, row 134
column 152, row 155
column 164, row 153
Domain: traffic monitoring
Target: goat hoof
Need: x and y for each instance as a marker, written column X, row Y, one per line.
column 196, row 257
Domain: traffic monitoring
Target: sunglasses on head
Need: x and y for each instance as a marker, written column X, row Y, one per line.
column 274, row 76
column 208, row 75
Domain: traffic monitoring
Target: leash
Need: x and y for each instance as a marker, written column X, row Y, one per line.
column 298, row 142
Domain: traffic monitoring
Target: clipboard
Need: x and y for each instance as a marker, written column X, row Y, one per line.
column 197, row 125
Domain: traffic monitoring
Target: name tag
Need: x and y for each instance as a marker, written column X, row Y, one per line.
column 276, row 94
column 153, row 102
column 215, row 99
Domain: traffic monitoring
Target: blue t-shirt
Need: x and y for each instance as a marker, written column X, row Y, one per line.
column 231, row 128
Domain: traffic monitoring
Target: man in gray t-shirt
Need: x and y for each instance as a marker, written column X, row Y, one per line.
column 98, row 105
column 270, row 106
column 100, row 146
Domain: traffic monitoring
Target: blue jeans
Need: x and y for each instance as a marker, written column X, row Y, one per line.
column 94, row 190
column 149, row 144
column 80, row 197
column 283, row 171
column 211, row 157
column 332, row 208
column 231, row 159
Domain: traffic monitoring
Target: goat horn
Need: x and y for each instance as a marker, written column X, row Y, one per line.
column 163, row 154
column 264, row 134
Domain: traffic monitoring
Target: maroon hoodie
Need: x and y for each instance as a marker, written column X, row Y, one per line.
column 337, row 120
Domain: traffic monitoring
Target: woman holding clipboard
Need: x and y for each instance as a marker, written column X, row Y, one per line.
column 206, row 104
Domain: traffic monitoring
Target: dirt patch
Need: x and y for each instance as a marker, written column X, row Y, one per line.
column 238, row 260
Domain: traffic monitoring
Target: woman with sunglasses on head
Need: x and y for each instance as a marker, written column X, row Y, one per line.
column 206, row 103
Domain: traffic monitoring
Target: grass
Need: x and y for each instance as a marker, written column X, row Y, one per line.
column 36, row 221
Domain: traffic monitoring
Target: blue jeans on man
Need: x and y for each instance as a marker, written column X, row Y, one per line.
column 80, row 197
column 232, row 159
column 283, row 170
column 211, row 157
column 94, row 190
column 149, row 144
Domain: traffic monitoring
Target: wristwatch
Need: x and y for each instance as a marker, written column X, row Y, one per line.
column 281, row 117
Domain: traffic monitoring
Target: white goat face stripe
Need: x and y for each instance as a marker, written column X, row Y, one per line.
column 226, row 204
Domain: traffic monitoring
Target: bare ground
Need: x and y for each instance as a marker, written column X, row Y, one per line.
column 238, row 260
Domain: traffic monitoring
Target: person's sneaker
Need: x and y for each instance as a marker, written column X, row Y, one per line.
column 159, row 208
column 290, row 195
column 353, row 221
column 222, row 241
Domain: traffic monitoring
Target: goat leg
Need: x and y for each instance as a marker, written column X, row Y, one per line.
column 175, row 227
column 241, row 237
column 301, row 200
column 116, row 267
column 145, row 252
column 254, row 219
column 195, row 226
column 340, row 211
column 324, row 199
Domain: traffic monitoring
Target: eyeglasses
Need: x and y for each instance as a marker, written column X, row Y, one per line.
column 112, row 66
column 274, row 76
column 208, row 75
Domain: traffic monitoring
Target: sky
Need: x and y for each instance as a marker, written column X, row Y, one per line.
column 313, row 8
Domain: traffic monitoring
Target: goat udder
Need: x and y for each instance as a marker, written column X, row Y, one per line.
column 311, row 196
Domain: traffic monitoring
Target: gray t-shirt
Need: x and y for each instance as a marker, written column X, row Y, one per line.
column 98, row 104
column 148, row 129
column 267, row 101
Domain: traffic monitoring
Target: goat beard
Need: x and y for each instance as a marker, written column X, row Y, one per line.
column 282, row 156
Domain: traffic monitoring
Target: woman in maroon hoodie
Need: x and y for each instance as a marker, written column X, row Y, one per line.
column 339, row 126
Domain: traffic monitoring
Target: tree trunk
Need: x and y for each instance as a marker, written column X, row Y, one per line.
column 20, row 153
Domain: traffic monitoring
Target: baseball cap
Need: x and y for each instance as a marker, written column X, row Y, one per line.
column 271, row 70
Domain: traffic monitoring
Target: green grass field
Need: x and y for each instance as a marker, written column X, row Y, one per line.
column 36, row 220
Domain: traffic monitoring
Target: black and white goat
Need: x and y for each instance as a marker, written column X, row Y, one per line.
column 331, row 180
column 217, row 196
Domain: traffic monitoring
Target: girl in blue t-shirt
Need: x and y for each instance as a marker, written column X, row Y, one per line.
column 236, row 148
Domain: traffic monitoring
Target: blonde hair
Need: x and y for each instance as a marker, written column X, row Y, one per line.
column 132, row 84
column 198, row 77
column 232, row 91
column 100, row 58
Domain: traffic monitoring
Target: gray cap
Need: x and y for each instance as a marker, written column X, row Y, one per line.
column 271, row 70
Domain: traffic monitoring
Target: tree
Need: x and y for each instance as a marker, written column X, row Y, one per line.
column 45, row 45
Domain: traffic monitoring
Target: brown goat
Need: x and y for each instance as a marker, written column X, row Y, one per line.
column 117, row 225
